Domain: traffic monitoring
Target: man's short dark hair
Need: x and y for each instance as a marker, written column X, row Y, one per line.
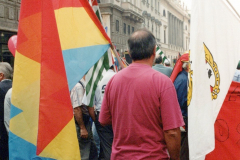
column 158, row 60
column 141, row 44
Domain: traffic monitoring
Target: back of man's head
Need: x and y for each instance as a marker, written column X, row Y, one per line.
column 158, row 59
column 141, row 44
column 6, row 70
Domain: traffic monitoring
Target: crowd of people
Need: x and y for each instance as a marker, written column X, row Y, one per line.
column 138, row 113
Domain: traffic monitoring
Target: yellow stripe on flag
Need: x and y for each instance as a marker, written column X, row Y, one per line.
column 54, row 149
column 71, row 23
column 25, row 96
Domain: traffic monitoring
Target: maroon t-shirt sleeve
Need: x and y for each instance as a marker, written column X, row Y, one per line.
column 105, row 117
column 170, row 110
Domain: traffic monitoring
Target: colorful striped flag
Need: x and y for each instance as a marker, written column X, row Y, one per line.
column 94, row 75
column 160, row 52
column 54, row 43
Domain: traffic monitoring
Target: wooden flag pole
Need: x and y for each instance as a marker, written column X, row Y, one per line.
column 116, row 54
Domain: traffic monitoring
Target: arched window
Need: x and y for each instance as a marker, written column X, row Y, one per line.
column 164, row 13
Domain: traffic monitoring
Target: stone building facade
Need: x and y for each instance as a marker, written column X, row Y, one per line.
column 168, row 20
column 9, row 16
column 121, row 19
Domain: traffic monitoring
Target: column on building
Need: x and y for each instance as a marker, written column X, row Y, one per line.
column 177, row 31
column 169, row 29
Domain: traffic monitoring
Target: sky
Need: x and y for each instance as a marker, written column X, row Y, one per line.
column 235, row 3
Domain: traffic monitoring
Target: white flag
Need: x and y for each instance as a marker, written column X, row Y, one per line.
column 215, row 52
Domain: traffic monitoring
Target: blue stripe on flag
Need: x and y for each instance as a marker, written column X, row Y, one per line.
column 14, row 111
column 79, row 60
column 24, row 149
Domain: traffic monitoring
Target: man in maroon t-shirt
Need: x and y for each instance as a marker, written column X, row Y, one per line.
column 142, row 106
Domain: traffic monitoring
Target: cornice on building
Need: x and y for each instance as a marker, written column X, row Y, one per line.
column 175, row 5
column 127, row 9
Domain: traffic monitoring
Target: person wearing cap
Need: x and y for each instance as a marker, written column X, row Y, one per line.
column 236, row 76
column 160, row 67
column 167, row 62
column 181, row 87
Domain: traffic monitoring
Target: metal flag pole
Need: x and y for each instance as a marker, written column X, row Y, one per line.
column 117, row 56
column 233, row 8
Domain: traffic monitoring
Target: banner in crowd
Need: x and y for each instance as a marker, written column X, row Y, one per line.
column 227, row 127
column 213, row 59
column 93, row 76
column 57, row 41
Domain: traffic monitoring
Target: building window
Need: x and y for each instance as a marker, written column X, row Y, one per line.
column 124, row 28
column 152, row 28
column 117, row 25
column 164, row 36
column 164, row 13
column 5, row 54
column 132, row 29
column 98, row 1
column 129, row 29
column 186, row 27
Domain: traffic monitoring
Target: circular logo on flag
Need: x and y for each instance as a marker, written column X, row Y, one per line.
column 213, row 73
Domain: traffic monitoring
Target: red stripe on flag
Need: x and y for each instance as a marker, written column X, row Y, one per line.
column 95, row 3
column 93, row 16
column 227, row 127
column 55, row 109
column 29, row 30
column 57, row 4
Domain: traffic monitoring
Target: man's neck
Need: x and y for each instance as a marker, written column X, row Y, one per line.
column 148, row 61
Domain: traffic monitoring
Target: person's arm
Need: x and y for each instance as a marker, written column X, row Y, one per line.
column 173, row 141
column 7, row 107
column 91, row 113
column 79, row 119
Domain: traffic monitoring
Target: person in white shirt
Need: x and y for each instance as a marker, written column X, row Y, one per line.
column 82, row 115
column 105, row 133
column 7, row 108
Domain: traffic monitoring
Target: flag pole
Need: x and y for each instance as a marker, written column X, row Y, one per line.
column 117, row 56
column 233, row 8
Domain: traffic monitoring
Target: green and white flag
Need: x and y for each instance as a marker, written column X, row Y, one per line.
column 94, row 74
column 160, row 52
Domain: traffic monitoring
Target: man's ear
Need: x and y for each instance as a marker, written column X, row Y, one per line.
column 1, row 76
column 154, row 51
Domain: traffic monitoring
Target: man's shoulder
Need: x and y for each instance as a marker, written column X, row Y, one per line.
column 181, row 77
column 169, row 68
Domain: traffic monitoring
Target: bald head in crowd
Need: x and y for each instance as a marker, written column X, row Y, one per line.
column 141, row 44
column 6, row 71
